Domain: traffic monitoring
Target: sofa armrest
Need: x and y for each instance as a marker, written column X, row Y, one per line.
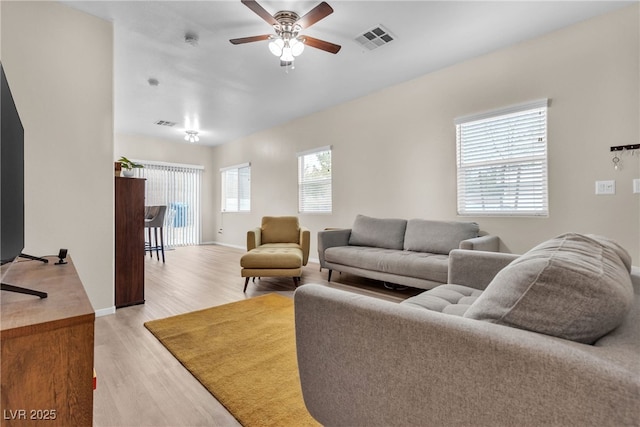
column 305, row 244
column 476, row 268
column 254, row 238
column 365, row 361
column 331, row 238
column 482, row 243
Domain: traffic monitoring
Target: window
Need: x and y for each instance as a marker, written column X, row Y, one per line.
column 176, row 186
column 314, row 181
column 502, row 161
column 236, row 188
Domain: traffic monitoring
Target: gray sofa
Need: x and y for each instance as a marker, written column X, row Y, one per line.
column 550, row 338
column 411, row 252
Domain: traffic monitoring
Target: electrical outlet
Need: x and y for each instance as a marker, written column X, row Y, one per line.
column 605, row 187
column 220, row 231
column 636, row 186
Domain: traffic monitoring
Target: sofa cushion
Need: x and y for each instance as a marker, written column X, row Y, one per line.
column 574, row 286
column 420, row 265
column 378, row 232
column 439, row 237
column 280, row 229
column 448, row 299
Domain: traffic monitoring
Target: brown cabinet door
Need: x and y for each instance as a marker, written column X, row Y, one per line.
column 129, row 241
column 46, row 348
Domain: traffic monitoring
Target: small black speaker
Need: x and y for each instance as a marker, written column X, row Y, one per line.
column 62, row 255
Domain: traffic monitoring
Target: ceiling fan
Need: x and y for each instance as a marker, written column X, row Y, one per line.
column 287, row 43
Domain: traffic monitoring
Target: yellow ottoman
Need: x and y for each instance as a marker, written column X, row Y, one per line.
column 272, row 260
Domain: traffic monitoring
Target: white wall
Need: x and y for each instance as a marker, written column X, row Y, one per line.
column 63, row 87
column 394, row 151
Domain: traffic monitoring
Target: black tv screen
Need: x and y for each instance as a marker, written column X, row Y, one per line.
column 11, row 176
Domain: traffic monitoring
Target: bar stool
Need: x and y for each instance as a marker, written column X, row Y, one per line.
column 154, row 220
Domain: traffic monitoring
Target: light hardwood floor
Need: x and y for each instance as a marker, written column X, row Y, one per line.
column 139, row 382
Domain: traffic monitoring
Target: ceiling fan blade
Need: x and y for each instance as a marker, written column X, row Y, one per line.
column 322, row 45
column 250, row 39
column 260, row 11
column 314, row 15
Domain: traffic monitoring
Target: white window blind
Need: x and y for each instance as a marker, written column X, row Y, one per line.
column 176, row 186
column 502, row 161
column 236, row 188
column 314, row 181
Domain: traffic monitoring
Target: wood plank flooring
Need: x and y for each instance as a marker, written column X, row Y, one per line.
column 139, row 382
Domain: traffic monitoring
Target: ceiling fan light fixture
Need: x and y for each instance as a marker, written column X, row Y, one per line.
column 276, row 46
column 285, row 43
column 297, row 46
column 287, row 55
column 191, row 136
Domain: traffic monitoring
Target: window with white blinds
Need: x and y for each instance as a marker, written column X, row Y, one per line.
column 314, row 181
column 176, row 186
column 502, row 161
column 236, row 188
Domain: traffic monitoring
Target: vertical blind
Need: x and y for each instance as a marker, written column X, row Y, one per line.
column 314, row 181
column 178, row 187
column 502, row 161
column 236, row 188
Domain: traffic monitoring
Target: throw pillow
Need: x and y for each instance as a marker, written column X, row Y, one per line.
column 437, row 237
column 574, row 286
column 378, row 232
column 622, row 252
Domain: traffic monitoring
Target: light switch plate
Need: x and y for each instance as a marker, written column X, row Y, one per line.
column 636, row 186
column 605, row 187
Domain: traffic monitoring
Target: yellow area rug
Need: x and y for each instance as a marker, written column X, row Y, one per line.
column 244, row 353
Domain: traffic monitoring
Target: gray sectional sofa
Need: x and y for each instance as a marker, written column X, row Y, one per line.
column 549, row 338
column 412, row 252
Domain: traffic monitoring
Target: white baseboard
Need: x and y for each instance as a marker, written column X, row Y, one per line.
column 225, row 245
column 106, row 311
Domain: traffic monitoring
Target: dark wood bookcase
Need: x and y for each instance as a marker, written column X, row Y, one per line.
column 129, row 241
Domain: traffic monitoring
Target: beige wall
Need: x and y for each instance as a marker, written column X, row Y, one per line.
column 175, row 151
column 62, row 85
column 394, row 151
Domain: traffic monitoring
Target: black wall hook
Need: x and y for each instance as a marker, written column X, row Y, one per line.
column 625, row 147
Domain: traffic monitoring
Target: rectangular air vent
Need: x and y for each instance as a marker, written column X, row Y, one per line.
column 375, row 37
column 165, row 123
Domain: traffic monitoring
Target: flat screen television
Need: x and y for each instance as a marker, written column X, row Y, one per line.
column 11, row 187
column 11, row 176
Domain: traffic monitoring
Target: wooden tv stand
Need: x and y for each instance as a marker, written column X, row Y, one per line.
column 47, row 348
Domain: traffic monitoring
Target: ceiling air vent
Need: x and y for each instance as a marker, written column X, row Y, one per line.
column 165, row 123
column 375, row 37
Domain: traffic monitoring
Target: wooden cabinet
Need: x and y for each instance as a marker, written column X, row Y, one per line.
column 47, row 347
column 129, row 241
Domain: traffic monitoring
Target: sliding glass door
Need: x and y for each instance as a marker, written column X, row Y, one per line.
column 176, row 186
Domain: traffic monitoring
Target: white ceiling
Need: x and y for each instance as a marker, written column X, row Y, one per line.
column 227, row 91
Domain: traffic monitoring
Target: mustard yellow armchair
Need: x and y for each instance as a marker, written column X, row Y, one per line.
column 279, row 247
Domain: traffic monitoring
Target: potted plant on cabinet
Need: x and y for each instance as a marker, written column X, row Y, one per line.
column 128, row 166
